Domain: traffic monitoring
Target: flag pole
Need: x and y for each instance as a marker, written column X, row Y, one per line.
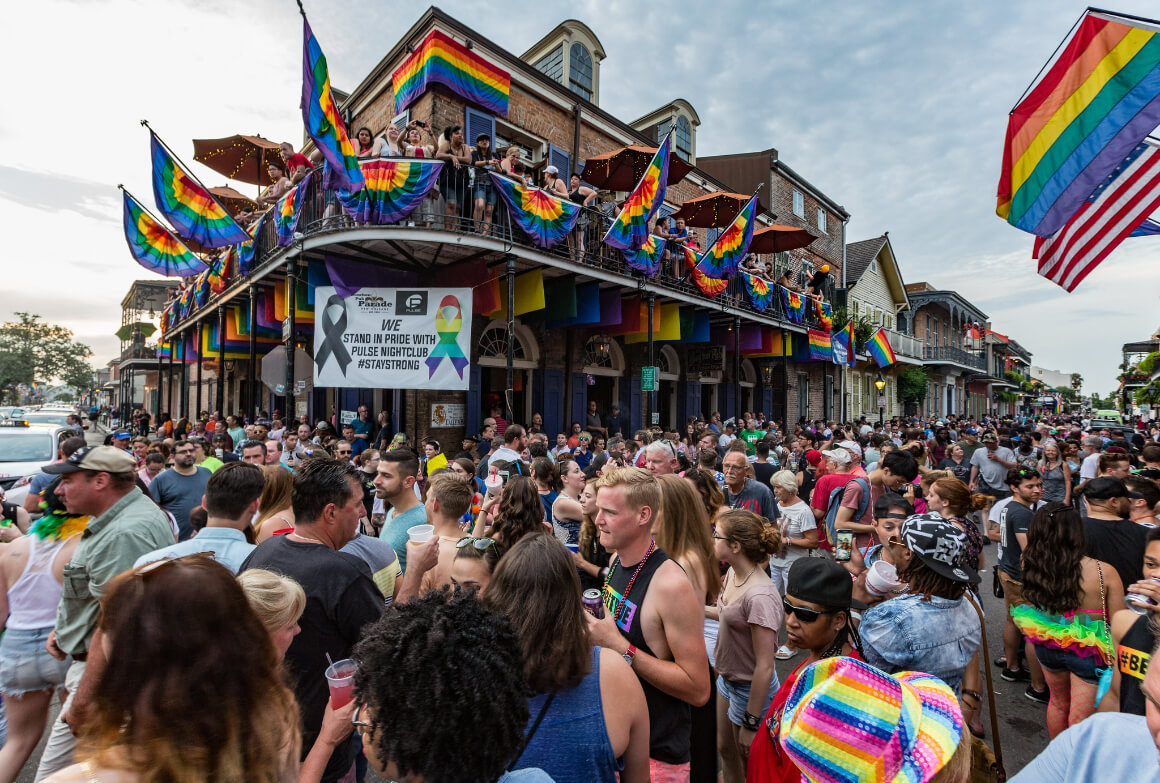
column 668, row 135
column 191, row 175
column 718, row 239
column 160, row 222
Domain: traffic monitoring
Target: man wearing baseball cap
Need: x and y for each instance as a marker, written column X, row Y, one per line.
column 989, row 466
column 99, row 481
column 932, row 628
column 970, row 443
column 1109, row 535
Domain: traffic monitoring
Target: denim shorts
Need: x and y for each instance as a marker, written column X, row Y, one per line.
column 484, row 191
column 25, row 664
column 1055, row 660
column 737, row 694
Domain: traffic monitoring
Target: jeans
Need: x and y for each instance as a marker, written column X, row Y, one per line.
column 737, row 694
column 25, row 665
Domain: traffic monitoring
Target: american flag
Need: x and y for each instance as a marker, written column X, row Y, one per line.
column 1116, row 210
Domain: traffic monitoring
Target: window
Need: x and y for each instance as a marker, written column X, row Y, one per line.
column 856, row 308
column 552, row 64
column 821, row 220
column 799, row 204
column 888, row 321
column 580, row 72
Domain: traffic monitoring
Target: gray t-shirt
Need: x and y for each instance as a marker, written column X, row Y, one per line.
column 755, row 497
column 380, row 557
column 1106, row 746
column 179, row 495
column 992, row 472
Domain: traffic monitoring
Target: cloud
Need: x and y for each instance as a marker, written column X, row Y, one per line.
column 51, row 192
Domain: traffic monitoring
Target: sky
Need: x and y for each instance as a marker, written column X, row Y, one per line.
column 896, row 110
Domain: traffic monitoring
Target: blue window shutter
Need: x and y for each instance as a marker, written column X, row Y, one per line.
column 553, row 407
column 579, row 400
column 472, row 418
column 476, row 122
column 561, row 160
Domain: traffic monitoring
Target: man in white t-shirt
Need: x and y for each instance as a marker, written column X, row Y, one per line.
column 1089, row 468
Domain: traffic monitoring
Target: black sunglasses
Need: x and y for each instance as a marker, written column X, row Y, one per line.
column 803, row 614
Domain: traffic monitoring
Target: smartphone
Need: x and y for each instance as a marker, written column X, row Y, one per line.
column 843, row 545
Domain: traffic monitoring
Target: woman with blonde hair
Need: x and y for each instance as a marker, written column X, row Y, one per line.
column 278, row 601
column 275, row 514
column 591, row 558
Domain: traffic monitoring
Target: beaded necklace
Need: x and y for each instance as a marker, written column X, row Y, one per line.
column 620, row 610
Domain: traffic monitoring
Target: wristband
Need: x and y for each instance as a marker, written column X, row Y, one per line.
column 629, row 655
column 750, row 721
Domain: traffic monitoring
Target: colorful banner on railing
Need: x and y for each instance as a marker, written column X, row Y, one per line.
column 794, row 304
column 824, row 314
column 441, row 59
column 647, row 258
column 842, row 345
column 288, row 211
column 391, row 191
column 725, row 254
column 322, row 118
column 246, row 250
column 545, row 218
column 218, row 274
column 820, row 348
column 760, row 292
column 399, row 338
column 191, row 209
column 153, row 246
column 880, row 350
column 631, row 228
column 709, row 286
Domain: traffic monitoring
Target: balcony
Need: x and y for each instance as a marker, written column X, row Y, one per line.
column 139, row 352
column 905, row 347
column 426, row 243
column 945, row 354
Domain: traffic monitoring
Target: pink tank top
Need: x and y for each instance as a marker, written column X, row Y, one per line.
column 33, row 599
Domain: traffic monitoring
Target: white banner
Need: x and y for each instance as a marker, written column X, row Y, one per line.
column 393, row 338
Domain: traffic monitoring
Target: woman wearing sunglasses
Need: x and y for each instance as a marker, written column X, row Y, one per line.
column 817, row 619
column 474, row 563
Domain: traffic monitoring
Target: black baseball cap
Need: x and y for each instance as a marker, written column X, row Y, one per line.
column 820, row 580
column 939, row 544
column 1108, row 487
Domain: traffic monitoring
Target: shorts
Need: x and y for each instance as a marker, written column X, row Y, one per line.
column 485, row 192
column 26, row 666
column 1055, row 660
column 1012, row 591
column 737, row 694
column 662, row 772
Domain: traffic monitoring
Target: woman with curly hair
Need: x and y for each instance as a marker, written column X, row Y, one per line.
column 416, row 695
column 595, row 719
column 1070, row 599
column 712, row 498
column 517, row 513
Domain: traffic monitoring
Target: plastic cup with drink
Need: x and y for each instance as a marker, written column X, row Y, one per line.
column 340, row 679
column 882, row 579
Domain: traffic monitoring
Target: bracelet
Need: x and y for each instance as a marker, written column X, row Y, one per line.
column 750, row 721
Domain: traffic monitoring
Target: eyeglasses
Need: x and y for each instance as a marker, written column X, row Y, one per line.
column 722, row 538
column 357, row 721
column 801, row 613
column 344, row 452
column 482, row 544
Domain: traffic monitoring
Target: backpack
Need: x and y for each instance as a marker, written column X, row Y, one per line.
column 835, row 501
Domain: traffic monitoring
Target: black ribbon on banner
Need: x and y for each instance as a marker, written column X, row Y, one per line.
column 332, row 332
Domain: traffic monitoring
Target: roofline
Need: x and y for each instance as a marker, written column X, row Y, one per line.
column 646, row 115
column 587, row 31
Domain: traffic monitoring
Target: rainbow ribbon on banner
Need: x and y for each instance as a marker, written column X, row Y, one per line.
column 545, row 218
column 288, row 210
column 190, row 208
column 153, row 246
column 723, row 257
column 760, row 292
column 448, row 323
column 647, row 258
column 630, row 230
column 795, row 305
column 392, row 190
column 709, row 286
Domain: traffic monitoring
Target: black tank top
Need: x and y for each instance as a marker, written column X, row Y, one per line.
column 670, row 719
column 576, row 197
column 1132, row 657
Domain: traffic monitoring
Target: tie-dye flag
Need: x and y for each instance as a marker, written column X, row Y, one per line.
column 191, row 209
column 724, row 255
column 794, row 305
column 545, row 218
column 630, row 230
column 322, row 119
column 760, row 292
column 824, row 314
column 709, row 286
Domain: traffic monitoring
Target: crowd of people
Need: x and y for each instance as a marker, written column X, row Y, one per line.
column 270, row 600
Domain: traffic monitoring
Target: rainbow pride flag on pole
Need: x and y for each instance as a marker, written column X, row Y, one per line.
column 647, row 258
column 630, row 230
column 191, row 209
column 842, row 345
column 820, row 347
column 1100, row 98
column 153, row 246
column 723, row 256
column 545, row 218
column 247, row 249
column 321, row 117
column 288, row 210
column 880, row 350
column 392, row 190
column 441, row 59
column 709, row 286
column 794, row 304
column 760, row 292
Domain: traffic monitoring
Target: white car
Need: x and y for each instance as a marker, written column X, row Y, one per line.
column 24, row 451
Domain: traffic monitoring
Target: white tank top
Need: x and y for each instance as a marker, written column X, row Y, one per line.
column 32, row 601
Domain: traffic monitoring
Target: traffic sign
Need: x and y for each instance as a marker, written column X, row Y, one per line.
column 648, row 379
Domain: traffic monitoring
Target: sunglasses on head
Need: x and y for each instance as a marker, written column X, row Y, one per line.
column 802, row 613
column 479, row 543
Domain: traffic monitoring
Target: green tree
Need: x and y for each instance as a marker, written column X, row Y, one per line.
column 912, row 385
column 863, row 326
column 1076, row 382
column 1068, row 394
column 32, row 350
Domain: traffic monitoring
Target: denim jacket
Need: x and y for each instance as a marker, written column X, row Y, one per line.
column 938, row 636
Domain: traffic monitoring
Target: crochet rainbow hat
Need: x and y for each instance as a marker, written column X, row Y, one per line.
column 847, row 722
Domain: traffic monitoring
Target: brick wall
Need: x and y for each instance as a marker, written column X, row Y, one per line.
column 779, row 198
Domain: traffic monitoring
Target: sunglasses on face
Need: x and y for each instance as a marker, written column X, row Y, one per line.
column 801, row 613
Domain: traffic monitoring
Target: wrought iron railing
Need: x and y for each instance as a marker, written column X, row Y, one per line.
column 322, row 214
column 904, row 344
column 946, row 353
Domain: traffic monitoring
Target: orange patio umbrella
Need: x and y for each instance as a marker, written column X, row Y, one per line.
column 621, row 169
column 232, row 199
column 713, row 210
column 239, row 157
column 778, row 239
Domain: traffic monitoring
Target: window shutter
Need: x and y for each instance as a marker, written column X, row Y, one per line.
column 402, row 119
column 561, row 160
column 476, row 122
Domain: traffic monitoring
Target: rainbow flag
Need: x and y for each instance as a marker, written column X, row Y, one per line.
column 545, row 218
column 820, row 349
column 190, row 208
column 842, row 344
column 794, row 304
column 760, row 292
column 1100, row 98
column 647, row 258
column 200, row 290
column 880, row 350
column 824, row 314
column 288, row 210
column 723, row 256
column 246, row 250
column 322, row 119
column 218, row 273
column 392, row 190
column 153, row 246
column 709, row 286
column 630, row 230
column 441, row 59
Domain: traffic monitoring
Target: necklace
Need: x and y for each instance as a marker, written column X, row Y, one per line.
column 296, row 534
column 746, row 579
column 623, row 607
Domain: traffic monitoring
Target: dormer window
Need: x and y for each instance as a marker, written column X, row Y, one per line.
column 580, row 71
column 552, row 64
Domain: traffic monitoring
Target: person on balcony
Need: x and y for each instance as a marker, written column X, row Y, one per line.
column 584, row 196
column 282, row 185
column 454, row 180
column 816, row 286
column 364, row 143
column 553, row 184
column 511, row 156
column 483, row 160
column 297, row 164
column 788, row 281
column 391, row 144
column 414, row 146
column 678, row 238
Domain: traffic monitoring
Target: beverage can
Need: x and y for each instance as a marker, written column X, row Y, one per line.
column 593, row 603
column 1138, row 602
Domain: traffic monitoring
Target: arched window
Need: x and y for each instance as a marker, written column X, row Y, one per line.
column 684, row 138
column 580, row 71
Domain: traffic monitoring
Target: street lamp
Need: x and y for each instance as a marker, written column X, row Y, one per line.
column 880, row 384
